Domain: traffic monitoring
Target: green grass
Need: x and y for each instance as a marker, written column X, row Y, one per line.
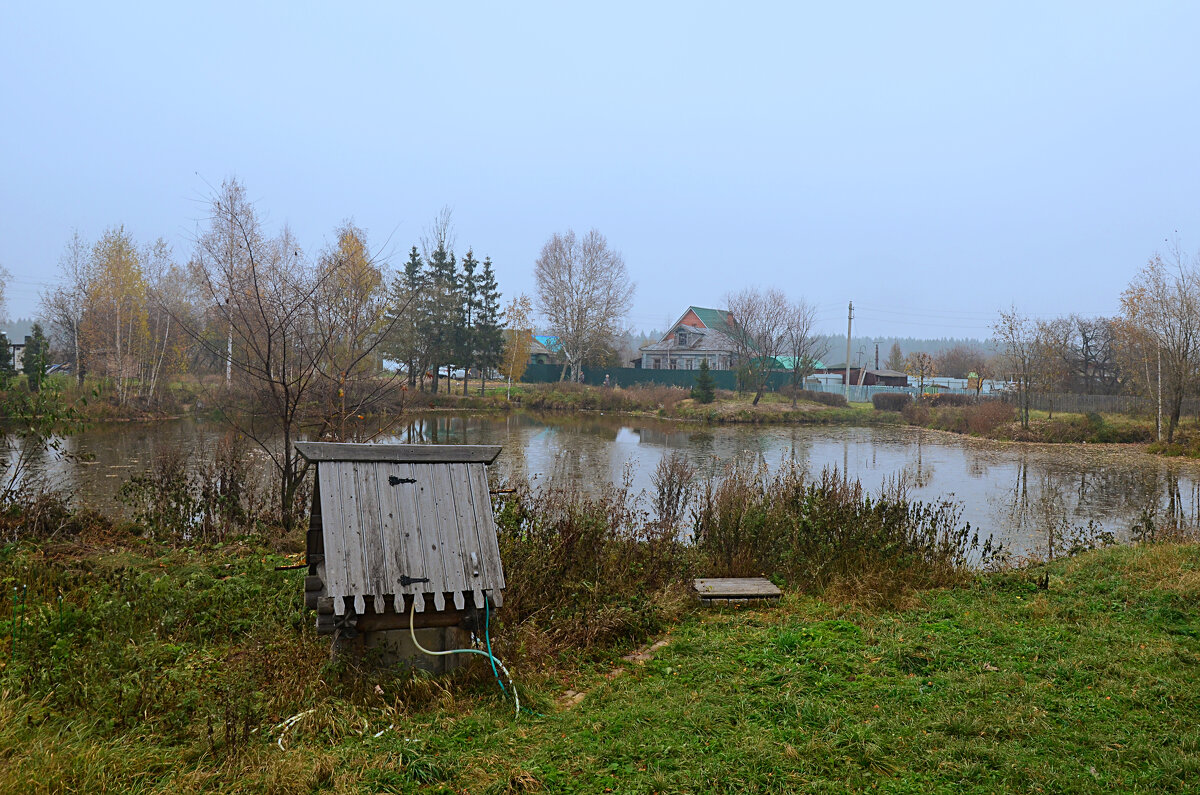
column 172, row 668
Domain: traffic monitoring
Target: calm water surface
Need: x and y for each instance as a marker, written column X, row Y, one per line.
column 1015, row 492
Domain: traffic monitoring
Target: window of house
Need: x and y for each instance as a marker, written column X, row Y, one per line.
column 681, row 337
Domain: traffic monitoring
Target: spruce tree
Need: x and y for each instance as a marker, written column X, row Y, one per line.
column 705, row 389
column 445, row 310
column 6, row 361
column 35, row 358
column 469, row 312
column 409, row 319
column 489, row 337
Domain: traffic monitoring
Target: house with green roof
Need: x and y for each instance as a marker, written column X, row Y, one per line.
column 699, row 335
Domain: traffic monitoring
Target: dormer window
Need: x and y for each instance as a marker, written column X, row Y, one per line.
column 681, row 337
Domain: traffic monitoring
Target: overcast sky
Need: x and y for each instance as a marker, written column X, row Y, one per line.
column 931, row 162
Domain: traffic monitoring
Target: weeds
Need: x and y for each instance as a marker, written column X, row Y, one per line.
column 587, row 571
column 827, row 532
column 188, row 498
column 834, row 399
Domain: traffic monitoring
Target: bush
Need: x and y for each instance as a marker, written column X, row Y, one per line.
column 989, row 415
column 916, row 413
column 890, row 401
column 836, row 399
column 942, row 400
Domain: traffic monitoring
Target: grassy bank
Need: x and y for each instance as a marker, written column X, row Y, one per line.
column 676, row 403
column 993, row 419
column 171, row 671
column 138, row 660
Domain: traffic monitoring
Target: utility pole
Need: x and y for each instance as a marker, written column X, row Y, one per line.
column 876, row 354
column 849, row 321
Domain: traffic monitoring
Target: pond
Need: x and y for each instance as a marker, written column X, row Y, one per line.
column 1016, row 492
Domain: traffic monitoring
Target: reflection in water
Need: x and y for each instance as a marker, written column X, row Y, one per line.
column 1020, row 493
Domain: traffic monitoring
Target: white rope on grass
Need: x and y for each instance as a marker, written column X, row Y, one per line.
column 289, row 723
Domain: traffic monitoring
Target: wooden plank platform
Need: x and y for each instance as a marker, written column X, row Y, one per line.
column 736, row 589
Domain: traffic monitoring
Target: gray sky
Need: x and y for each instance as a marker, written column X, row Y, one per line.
column 934, row 162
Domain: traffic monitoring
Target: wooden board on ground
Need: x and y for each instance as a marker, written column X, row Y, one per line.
column 736, row 589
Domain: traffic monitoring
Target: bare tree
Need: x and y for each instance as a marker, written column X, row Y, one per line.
column 1016, row 335
column 922, row 366
column 895, row 359
column 760, row 318
column 1054, row 355
column 800, row 344
column 959, row 360
column 260, row 292
column 5, row 276
column 1160, row 310
column 300, row 337
column 584, row 292
column 1095, row 365
column 439, row 234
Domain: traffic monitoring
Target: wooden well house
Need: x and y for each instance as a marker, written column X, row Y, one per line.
column 399, row 527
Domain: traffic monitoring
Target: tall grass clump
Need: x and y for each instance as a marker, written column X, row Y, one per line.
column 958, row 413
column 587, row 570
column 187, row 496
column 828, row 532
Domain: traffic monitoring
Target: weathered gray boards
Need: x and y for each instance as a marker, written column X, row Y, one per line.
column 399, row 527
column 724, row 590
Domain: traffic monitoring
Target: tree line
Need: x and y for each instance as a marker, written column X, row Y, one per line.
column 285, row 344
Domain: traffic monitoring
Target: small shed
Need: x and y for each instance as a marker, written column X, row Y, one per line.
column 400, row 527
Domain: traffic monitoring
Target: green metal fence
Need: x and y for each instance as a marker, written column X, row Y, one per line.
column 629, row 376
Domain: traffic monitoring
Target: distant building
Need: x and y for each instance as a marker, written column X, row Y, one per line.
column 544, row 349
column 865, row 376
column 15, row 355
column 699, row 335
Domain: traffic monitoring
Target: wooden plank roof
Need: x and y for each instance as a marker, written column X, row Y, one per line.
column 400, row 521
column 399, row 453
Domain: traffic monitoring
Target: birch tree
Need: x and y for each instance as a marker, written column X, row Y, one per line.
column 517, row 339
column 760, row 324
column 1161, row 310
column 114, row 323
column 260, row 295
column 584, row 292
column 800, row 344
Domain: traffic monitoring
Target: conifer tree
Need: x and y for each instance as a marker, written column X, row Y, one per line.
column 705, row 389
column 6, row 361
column 36, row 354
column 469, row 313
column 407, row 340
column 489, row 338
column 444, row 318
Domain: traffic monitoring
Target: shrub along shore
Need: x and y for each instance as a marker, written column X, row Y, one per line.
column 135, row 658
column 961, row 414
